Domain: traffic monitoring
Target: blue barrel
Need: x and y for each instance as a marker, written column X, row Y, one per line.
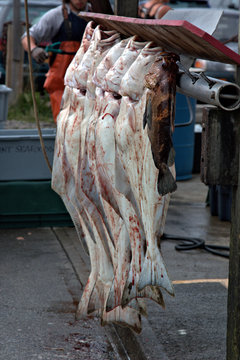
column 183, row 136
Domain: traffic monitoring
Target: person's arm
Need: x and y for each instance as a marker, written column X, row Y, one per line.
column 44, row 30
column 25, row 43
column 38, row 53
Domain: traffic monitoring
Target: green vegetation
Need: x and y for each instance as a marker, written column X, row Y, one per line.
column 22, row 110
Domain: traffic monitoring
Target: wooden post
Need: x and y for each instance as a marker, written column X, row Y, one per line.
column 233, row 324
column 219, row 154
column 126, row 8
column 102, row 6
column 9, row 49
column 14, row 63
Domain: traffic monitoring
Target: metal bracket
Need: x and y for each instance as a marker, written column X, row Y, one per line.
column 209, row 81
column 194, row 77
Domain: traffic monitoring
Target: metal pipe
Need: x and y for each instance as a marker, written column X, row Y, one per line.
column 212, row 91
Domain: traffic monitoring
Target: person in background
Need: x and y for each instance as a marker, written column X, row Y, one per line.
column 60, row 24
column 153, row 9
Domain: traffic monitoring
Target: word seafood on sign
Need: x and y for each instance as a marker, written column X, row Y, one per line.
column 25, row 149
column 114, row 168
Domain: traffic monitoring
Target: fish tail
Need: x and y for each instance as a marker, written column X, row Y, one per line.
column 166, row 182
column 154, row 293
column 114, row 298
column 139, row 305
column 88, row 303
column 130, row 291
column 154, row 273
column 135, row 304
column 124, row 317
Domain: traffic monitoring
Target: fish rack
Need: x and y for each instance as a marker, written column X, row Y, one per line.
column 184, row 38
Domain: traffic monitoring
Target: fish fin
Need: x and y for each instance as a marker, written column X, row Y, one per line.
column 132, row 292
column 114, row 298
column 130, row 289
column 142, row 307
column 117, row 297
column 85, row 302
column 166, row 182
column 139, row 305
column 154, row 293
column 94, row 303
column 154, row 273
column 124, row 317
column 171, row 157
column 147, row 116
column 103, row 289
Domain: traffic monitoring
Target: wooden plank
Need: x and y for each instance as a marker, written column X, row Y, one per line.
column 219, row 155
column 174, row 35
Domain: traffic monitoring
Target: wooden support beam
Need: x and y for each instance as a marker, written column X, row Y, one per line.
column 219, row 155
column 233, row 322
column 103, row 6
column 126, row 8
column 14, row 58
column 9, row 55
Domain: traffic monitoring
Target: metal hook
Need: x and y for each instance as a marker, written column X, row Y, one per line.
column 194, row 78
column 209, row 81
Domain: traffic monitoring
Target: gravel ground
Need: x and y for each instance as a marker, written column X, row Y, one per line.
column 16, row 124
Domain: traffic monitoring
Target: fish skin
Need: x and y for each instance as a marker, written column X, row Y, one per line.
column 134, row 150
column 78, row 214
column 61, row 160
column 86, row 182
column 159, row 117
column 88, row 167
column 101, row 296
column 91, row 299
column 108, row 170
column 61, row 183
column 83, row 70
column 127, row 317
column 115, row 74
column 107, row 63
column 105, row 178
column 137, row 71
column 133, row 147
column 69, row 78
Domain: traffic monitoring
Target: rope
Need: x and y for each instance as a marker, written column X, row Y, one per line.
column 32, row 89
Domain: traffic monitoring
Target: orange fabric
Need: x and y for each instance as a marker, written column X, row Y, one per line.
column 161, row 11
column 154, row 9
column 54, row 83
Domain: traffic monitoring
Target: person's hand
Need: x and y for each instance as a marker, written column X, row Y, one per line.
column 39, row 54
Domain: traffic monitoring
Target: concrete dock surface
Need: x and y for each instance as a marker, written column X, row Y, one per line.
column 43, row 271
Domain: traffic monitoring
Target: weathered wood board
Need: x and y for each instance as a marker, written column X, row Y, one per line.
column 173, row 35
column 219, row 155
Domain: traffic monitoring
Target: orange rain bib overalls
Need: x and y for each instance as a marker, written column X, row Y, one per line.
column 70, row 35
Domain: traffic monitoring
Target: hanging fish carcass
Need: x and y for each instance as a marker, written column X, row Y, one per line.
column 114, row 168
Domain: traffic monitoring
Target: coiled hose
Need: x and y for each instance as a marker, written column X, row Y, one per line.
column 190, row 243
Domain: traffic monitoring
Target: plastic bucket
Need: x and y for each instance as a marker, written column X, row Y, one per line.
column 183, row 136
column 4, row 92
